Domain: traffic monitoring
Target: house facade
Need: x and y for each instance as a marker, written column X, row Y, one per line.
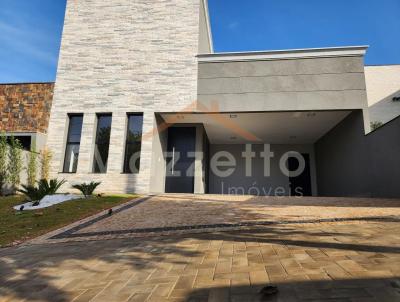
column 143, row 104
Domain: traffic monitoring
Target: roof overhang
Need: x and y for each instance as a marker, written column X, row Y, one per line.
column 348, row 51
column 285, row 127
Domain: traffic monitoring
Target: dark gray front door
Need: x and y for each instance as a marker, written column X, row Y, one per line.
column 180, row 163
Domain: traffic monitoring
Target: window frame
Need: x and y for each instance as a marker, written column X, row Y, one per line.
column 68, row 143
column 125, row 167
column 94, row 164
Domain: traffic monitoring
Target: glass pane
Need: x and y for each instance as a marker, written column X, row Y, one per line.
column 133, row 143
column 71, row 158
column 135, row 125
column 132, row 158
column 75, row 129
column 103, row 129
column 102, row 143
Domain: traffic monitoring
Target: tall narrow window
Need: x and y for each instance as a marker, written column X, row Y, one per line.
column 102, row 145
column 133, row 143
column 73, row 143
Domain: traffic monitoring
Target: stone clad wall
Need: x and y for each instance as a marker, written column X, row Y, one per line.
column 25, row 107
column 116, row 57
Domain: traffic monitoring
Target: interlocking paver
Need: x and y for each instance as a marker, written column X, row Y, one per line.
column 322, row 261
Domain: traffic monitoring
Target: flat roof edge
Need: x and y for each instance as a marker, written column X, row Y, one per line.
column 284, row 54
column 27, row 83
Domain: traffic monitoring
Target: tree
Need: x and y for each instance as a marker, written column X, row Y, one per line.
column 32, row 167
column 3, row 161
column 45, row 159
column 14, row 163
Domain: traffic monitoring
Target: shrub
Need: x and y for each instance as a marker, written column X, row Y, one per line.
column 50, row 186
column 43, row 188
column 32, row 167
column 45, row 159
column 14, row 163
column 87, row 189
column 31, row 192
column 3, row 161
column 375, row 125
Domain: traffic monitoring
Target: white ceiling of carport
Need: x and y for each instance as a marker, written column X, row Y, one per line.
column 263, row 127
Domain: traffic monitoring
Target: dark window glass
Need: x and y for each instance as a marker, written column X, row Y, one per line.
column 102, row 145
column 133, row 143
column 73, row 143
column 25, row 141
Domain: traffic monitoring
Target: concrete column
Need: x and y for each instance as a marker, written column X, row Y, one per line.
column 199, row 174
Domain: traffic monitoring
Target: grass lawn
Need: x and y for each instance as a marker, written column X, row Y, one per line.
column 18, row 226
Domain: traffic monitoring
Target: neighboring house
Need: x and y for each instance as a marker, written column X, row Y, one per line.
column 383, row 90
column 143, row 104
column 25, row 112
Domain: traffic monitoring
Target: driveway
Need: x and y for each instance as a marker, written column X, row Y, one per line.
column 178, row 214
column 308, row 259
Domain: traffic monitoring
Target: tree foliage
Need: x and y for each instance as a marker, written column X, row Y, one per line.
column 14, row 163
column 45, row 159
column 32, row 167
column 3, row 161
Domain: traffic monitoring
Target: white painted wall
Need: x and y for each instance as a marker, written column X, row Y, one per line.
column 383, row 83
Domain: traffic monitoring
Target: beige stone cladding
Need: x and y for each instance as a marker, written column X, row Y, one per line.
column 117, row 57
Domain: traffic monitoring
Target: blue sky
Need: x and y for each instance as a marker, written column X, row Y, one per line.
column 30, row 30
column 30, row 33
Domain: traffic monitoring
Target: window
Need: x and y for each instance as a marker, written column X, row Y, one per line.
column 133, row 143
column 25, row 141
column 102, row 143
column 73, row 143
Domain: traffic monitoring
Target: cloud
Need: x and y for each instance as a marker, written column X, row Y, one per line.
column 25, row 41
column 233, row 25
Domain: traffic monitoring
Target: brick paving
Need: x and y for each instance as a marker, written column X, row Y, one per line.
column 178, row 210
column 177, row 214
column 314, row 262
column 337, row 261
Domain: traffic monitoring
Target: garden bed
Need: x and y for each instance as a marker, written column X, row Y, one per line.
column 47, row 201
column 16, row 226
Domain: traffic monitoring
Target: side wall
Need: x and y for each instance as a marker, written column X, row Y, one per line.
column 120, row 57
column 384, row 148
column 350, row 163
column 383, row 84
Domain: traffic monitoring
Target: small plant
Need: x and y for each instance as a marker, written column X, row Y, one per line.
column 43, row 188
column 14, row 163
column 32, row 193
column 375, row 125
column 50, row 187
column 3, row 161
column 32, row 167
column 45, row 159
column 87, row 189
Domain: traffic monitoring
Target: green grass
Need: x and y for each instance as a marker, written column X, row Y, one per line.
column 18, row 226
